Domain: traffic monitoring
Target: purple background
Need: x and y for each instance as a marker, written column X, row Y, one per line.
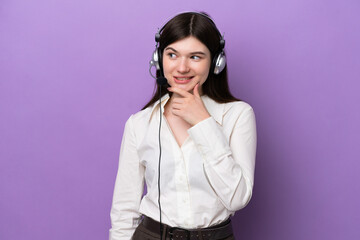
column 71, row 73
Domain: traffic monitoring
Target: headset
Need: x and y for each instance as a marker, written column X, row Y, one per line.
column 217, row 66
column 218, row 62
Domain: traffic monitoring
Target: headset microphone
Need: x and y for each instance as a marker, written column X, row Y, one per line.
column 161, row 81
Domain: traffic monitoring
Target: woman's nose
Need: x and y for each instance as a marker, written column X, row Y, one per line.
column 183, row 66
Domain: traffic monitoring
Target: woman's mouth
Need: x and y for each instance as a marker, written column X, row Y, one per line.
column 183, row 80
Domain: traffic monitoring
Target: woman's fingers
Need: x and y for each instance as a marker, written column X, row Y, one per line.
column 180, row 91
column 189, row 107
column 178, row 100
column 177, row 105
column 196, row 90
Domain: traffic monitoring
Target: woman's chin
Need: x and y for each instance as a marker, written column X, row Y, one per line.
column 184, row 87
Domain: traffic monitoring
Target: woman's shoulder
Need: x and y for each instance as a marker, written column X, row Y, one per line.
column 141, row 116
column 144, row 113
column 228, row 113
column 239, row 106
column 238, row 110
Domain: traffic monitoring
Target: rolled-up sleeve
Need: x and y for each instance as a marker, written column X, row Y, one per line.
column 129, row 186
column 228, row 160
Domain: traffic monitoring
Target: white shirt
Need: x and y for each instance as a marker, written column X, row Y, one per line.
column 203, row 182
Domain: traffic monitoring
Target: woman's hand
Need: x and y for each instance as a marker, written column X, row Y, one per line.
column 190, row 107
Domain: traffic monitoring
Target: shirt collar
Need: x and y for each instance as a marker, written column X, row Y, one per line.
column 215, row 109
column 155, row 106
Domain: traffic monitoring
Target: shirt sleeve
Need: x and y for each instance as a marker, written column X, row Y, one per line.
column 229, row 162
column 129, row 187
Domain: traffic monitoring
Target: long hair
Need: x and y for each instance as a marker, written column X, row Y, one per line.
column 203, row 28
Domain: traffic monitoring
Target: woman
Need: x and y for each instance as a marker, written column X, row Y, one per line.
column 207, row 149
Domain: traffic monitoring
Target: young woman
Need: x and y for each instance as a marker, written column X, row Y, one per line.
column 207, row 149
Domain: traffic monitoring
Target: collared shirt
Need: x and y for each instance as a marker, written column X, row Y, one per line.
column 203, row 181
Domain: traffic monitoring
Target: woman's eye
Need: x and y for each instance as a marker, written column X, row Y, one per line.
column 195, row 57
column 171, row 55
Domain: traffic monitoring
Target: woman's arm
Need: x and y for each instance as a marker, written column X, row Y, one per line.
column 228, row 164
column 129, row 187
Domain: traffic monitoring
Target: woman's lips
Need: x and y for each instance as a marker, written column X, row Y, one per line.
column 182, row 80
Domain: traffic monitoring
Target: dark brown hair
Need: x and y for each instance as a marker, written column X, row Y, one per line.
column 203, row 28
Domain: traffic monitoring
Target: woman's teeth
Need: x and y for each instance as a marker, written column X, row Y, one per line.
column 183, row 78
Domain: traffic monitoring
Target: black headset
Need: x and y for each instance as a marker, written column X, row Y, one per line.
column 219, row 60
column 217, row 66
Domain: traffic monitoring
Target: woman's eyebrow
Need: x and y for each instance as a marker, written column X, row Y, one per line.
column 198, row 53
column 192, row 53
column 170, row 48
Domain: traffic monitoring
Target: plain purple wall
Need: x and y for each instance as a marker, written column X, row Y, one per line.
column 71, row 73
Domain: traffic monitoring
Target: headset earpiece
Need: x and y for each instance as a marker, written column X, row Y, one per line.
column 219, row 63
column 156, row 56
column 155, row 59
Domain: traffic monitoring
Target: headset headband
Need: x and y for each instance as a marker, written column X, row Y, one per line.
column 222, row 41
column 218, row 61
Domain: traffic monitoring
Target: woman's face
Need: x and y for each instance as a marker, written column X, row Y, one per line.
column 186, row 62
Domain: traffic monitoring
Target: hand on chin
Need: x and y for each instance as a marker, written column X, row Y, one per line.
column 189, row 89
